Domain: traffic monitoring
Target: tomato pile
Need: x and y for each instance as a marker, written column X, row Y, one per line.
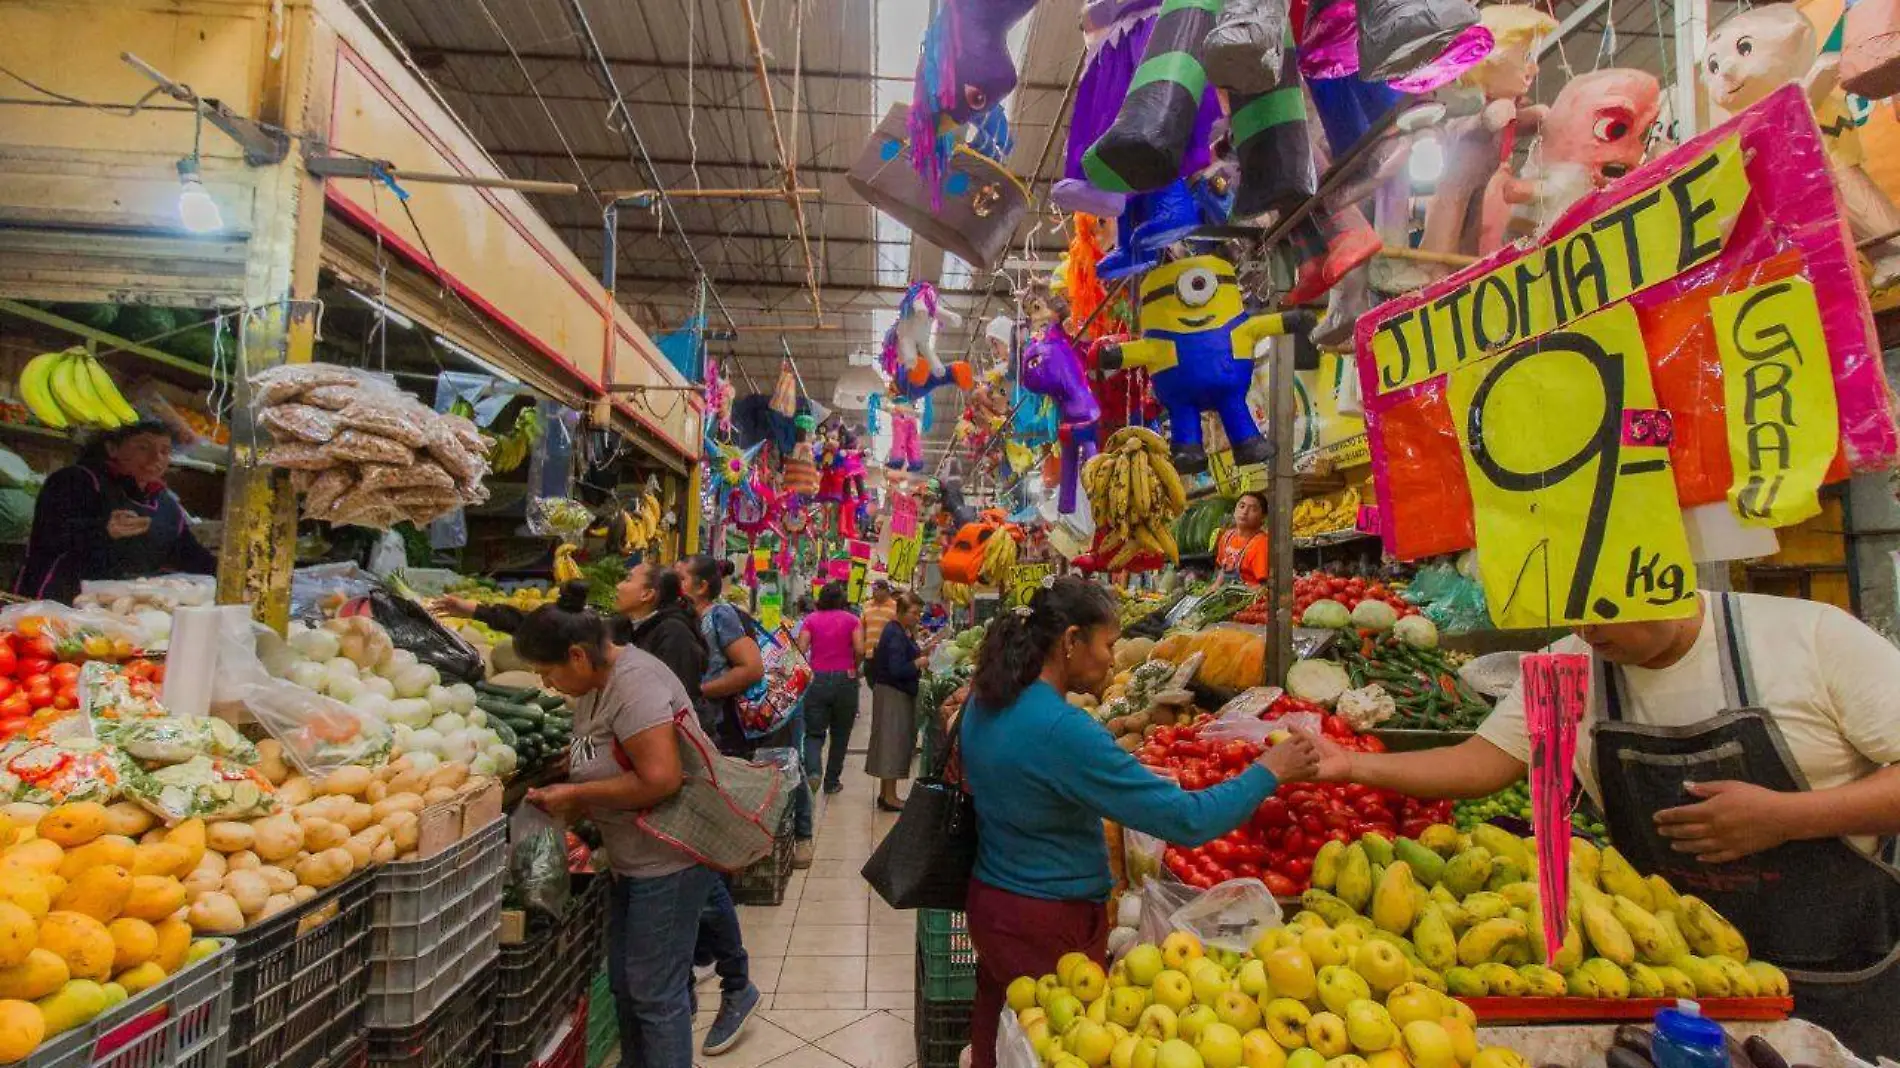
column 40, row 673
column 1277, row 845
column 1320, row 586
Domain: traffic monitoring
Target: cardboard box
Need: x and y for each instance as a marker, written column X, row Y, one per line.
column 514, row 927
column 481, row 806
column 439, row 827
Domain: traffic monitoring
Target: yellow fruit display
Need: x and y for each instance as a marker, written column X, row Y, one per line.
column 22, row 1028
column 81, row 941
column 40, row 974
column 19, row 934
column 99, row 892
column 72, row 1005
column 72, row 825
column 134, row 942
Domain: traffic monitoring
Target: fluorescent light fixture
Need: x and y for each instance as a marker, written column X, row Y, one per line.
column 196, row 210
column 476, row 360
column 382, row 309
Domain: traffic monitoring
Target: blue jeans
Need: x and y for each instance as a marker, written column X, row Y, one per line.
column 650, row 934
column 801, row 797
column 720, row 942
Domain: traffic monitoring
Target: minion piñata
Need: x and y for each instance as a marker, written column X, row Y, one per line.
column 1197, row 341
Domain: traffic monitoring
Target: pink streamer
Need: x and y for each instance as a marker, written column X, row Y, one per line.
column 1555, row 689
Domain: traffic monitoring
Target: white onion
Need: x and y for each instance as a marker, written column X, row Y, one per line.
column 398, row 659
column 317, row 645
column 464, row 695
column 344, row 688
column 448, row 723
column 415, row 680
column 309, row 675
column 374, row 704
column 412, row 711
column 380, row 686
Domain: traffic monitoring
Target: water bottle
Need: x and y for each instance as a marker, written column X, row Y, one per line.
column 1686, row 1039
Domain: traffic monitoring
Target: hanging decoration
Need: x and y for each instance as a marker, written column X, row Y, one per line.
column 909, row 354
column 1053, row 368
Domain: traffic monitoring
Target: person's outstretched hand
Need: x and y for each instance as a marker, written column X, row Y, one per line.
column 1335, row 762
column 1294, row 759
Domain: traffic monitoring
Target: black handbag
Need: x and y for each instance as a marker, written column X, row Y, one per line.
column 925, row 861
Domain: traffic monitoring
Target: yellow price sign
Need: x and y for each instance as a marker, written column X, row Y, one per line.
column 901, row 560
column 1783, row 421
column 1231, row 480
column 1576, row 514
column 1025, row 580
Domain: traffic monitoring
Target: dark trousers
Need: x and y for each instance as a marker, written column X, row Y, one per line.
column 831, row 707
column 1015, row 935
column 720, row 942
column 650, row 965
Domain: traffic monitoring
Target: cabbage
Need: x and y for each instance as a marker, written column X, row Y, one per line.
column 1327, row 614
column 1372, row 614
column 414, row 680
column 381, row 687
column 411, row 711
column 448, row 723
column 1319, row 681
column 1417, row 632
column 318, row 645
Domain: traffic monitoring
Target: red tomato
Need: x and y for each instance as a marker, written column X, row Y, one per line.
column 65, row 701
column 1221, row 850
column 1271, row 813
column 7, row 686
column 38, row 697
column 16, row 706
column 9, row 663
column 32, row 667
column 40, row 648
column 64, row 673
column 1294, row 843
column 1298, row 868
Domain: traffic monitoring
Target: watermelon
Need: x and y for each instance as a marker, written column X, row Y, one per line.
column 97, row 316
column 138, row 322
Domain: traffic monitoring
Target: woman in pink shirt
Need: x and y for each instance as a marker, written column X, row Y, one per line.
column 834, row 643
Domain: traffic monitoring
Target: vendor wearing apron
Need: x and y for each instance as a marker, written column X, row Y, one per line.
column 1745, row 754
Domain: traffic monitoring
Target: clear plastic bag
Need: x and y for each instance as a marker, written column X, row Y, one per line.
column 560, row 517
column 319, row 735
column 362, row 446
column 1230, row 915
column 47, row 772
column 203, row 788
column 537, row 860
column 66, row 624
column 1141, row 856
column 1013, row 1048
column 1160, row 899
column 176, row 739
column 299, row 422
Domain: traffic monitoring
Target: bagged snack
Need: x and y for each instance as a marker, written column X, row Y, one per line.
column 203, row 788
column 420, row 475
column 301, row 456
column 326, row 489
column 278, row 384
column 363, row 446
column 108, row 692
column 330, row 398
column 300, row 422
column 48, row 772
column 177, row 739
column 403, row 423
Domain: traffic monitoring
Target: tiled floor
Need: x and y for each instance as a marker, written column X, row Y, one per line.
column 836, row 964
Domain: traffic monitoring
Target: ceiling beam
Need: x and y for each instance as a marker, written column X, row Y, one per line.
column 431, row 58
column 740, row 285
column 639, row 227
column 765, row 166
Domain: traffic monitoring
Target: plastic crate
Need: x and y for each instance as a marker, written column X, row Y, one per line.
column 182, row 1022
column 539, row 979
column 765, row 881
column 946, row 961
column 433, row 925
column 299, row 980
column 456, row 1035
column 942, row 1027
column 603, row 1021
column 566, row 1047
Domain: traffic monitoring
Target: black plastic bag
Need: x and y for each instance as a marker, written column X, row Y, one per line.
column 411, row 627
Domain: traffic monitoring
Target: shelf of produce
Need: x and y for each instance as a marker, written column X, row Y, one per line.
column 1492, row 1011
column 111, row 341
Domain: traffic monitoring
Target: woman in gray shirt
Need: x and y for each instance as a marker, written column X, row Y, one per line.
column 630, row 712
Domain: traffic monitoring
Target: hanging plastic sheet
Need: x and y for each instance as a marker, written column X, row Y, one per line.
column 1741, row 219
column 551, row 468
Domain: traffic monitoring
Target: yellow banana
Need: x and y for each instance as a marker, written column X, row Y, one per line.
column 107, row 391
column 565, row 569
column 36, row 390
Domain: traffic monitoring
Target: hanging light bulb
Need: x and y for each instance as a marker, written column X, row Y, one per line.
column 1427, row 163
column 196, row 210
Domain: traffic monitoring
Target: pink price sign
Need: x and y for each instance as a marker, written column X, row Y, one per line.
column 1556, row 693
column 903, row 515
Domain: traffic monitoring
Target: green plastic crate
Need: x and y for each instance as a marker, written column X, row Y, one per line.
column 946, row 960
column 603, row 1028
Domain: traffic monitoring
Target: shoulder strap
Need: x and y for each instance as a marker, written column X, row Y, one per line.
column 1738, row 677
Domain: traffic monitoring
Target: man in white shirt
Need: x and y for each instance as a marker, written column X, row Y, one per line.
column 1746, row 753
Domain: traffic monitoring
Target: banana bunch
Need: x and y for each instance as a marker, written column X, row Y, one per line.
column 513, row 448
column 957, row 593
column 1135, row 495
column 999, row 558
column 565, row 569
column 636, row 527
column 1334, row 512
column 71, row 388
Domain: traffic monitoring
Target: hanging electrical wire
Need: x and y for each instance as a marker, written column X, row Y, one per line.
column 535, row 88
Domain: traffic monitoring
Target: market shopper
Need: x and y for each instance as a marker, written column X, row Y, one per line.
column 896, row 666
column 1241, row 550
column 832, row 639
column 110, row 516
column 877, row 612
column 1044, row 775
column 733, row 661
column 1746, row 755
column 629, row 717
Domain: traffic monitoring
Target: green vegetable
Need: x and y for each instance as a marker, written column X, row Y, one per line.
column 1326, row 614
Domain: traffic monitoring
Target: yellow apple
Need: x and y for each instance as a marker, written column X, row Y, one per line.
column 1429, row 1045
column 1464, row 1038
column 1195, row 1020
column 1048, row 987
column 1066, row 966
column 1125, row 1005
column 1179, row 948
column 1323, row 946
column 1091, row 1042
column 1143, row 962
column 1219, row 1046
column 1209, row 983
column 1173, row 989
column 1252, row 979
column 1064, row 1010
column 1145, row 1051
column 1382, row 966
column 1259, row 1050
column 1369, row 1027
column 1305, row 1058
column 1290, row 973
column 1022, row 994
column 1237, row 1011
column 1175, row 1053
column 1123, row 1055
column 1286, row 1022
column 1388, row 1058
column 1087, row 980
column 1157, row 1021
column 1326, row 1034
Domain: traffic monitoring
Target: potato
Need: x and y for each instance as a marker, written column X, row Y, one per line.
column 100, row 892
column 202, row 882
column 73, row 824
column 248, row 889
column 278, row 837
column 303, row 893
column 384, row 852
column 230, row 836
column 404, row 829
column 323, row 808
column 161, row 858
column 280, row 880
column 350, row 780
column 214, row 862
column 277, row 903
column 23, row 813
column 295, row 791
column 155, row 897
column 215, row 913
column 357, row 816
column 128, row 819
column 270, row 761
column 243, row 860
column 319, row 834
column 450, row 775
column 408, row 782
column 394, row 768
column 382, row 810
column 325, row 869
column 435, row 795
column 377, row 791
column 107, row 849
column 362, row 845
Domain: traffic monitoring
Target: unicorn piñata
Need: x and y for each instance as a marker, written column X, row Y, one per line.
column 909, row 357
column 963, row 72
column 1053, row 368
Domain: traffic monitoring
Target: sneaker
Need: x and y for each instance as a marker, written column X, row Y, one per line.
column 833, row 788
column 734, row 1011
column 802, row 853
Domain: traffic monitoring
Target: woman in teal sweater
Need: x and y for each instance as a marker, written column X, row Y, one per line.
column 1044, row 775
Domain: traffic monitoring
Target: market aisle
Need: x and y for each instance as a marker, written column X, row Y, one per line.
column 837, row 966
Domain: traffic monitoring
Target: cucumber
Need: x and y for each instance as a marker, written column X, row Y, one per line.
column 551, row 701
column 511, row 694
column 510, row 710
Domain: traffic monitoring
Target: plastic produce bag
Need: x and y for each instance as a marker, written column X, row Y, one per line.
column 1013, row 1048
column 75, row 631
column 1230, row 915
column 177, row 739
column 537, row 860
column 558, row 517
column 319, row 735
column 1160, row 900
column 411, row 627
column 312, row 589
column 107, row 693
column 203, row 788
column 53, row 772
